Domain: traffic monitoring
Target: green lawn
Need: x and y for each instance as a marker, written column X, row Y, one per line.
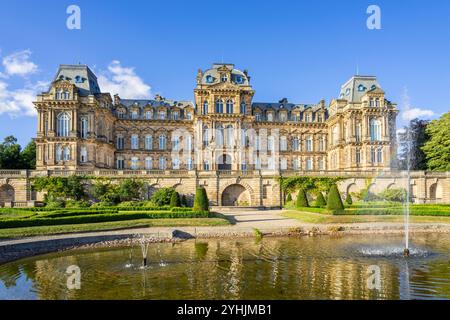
column 115, row 225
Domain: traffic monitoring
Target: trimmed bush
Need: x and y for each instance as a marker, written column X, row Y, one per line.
column 320, row 200
column 349, row 199
column 103, row 204
column 201, row 201
column 55, row 204
column 334, row 199
column 175, row 200
column 77, row 204
column 289, row 198
column 127, row 204
column 302, row 200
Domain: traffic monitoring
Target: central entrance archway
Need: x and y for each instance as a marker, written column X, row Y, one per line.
column 7, row 193
column 236, row 195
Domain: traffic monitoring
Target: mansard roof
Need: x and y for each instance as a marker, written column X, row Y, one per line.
column 284, row 105
column 81, row 76
column 355, row 88
column 212, row 76
column 155, row 103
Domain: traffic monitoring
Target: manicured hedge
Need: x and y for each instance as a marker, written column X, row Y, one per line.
column 94, row 218
column 415, row 211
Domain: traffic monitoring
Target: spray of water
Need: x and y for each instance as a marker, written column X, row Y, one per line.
column 408, row 174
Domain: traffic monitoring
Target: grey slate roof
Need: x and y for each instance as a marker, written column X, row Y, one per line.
column 155, row 103
column 81, row 76
column 350, row 90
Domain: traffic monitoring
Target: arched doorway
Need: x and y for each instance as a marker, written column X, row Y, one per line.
column 224, row 162
column 7, row 193
column 435, row 191
column 236, row 195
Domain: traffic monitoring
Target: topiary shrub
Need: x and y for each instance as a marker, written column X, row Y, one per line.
column 175, row 200
column 201, row 201
column 334, row 202
column 320, row 200
column 349, row 199
column 302, row 200
column 289, row 198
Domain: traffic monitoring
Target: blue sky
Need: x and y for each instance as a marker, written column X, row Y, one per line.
column 302, row 50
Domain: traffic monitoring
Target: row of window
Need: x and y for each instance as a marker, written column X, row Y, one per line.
column 150, row 115
column 148, row 142
column 62, row 95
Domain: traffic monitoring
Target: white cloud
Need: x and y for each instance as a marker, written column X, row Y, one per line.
column 19, row 64
column 19, row 102
column 124, row 82
column 413, row 113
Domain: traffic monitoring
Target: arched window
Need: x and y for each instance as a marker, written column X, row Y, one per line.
column 134, row 142
column 162, row 163
column 375, row 130
column 230, row 105
column 219, row 106
column 243, row 108
column 205, row 136
column 83, row 155
column 372, row 155
column 148, row 142
column 219, row 135
column 84, row 128
column 148, row 163
column 162, row 142
column 66, row 153
column 63, row 125
column 205, row 107
column 149, row 114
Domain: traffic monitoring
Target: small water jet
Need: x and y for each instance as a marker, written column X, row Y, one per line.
column 143, row 242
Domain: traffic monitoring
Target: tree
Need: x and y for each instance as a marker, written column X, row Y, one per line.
column 320, row 200
column 175, row 200
column 130, row 189
column 105, row 191
column 162, row 197
column 10, row 154
column 61, row 188
column 334, row 199
column 28, row 156
column 411, row 140
column 302, row 200
column 201, row 201
column 289, row 197
column 437, row 148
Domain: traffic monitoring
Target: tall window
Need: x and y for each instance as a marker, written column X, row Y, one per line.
column 148, row 142
column 219, row 106
column 270, row 116
column 205, row 107
column 258, row 116
column 271, row 163
column 358, row 132
column 375, row 130
column 66, row 153
column 188, row 115
column 206, row 165
column 119, row 142
column 271, row 143
column 83, row 155
column 188, row 143
column 335, row 135
column 205, row 136
column 230, row 136
column 296, row 144
column 162, row 142
column 148, row 114
column 258, row 163
column 283, row 164
column 134, row 114
column 243, row 108
column 63, row 125
column 372, row 155
column 283, row 116
column 309, row 144
column 162, row 163
column 175, row 115
column 176, row 164
column 190, row 164
column 307, row 117
column 257, row 142
column 358, row 156
column 175, row 143
column 296, row 164
column 230, row 106
column 309, row 164
column 148, row 163
column 59, row 154
column 321, row 164
column 134, row 142
column 219, row 135
column 283, row 144
column 134, row 163
column 379, row 155
column 322, row 144
column 84, row 128
column 120, row 163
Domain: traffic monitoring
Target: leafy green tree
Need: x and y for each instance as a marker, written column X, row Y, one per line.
column 28, row 156
column 396, row 195
column 175, row 200
column 201, row 201
column 161, row 197
column 289, row 197
column 302, row 199
column 10, row 153
column 320, row 200
column 61, row 188
column 105, row 191
column 411, row 141
column 334, row 199
column 130, row 189
column 437, row 148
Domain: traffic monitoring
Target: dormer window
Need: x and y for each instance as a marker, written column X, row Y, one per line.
column 224, row 78
column 209, row 79
column 79, row 79
column 361, row 88
column 239, row 80
column 373, row 87
column 347, row 92
column 270, row 116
